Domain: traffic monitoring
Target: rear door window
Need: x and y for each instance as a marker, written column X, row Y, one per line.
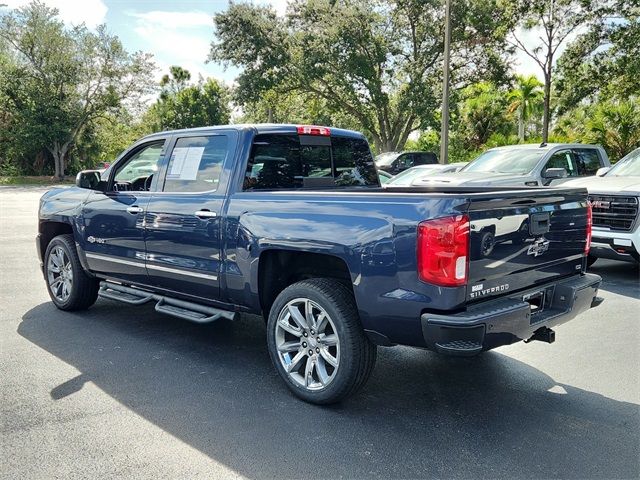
column 427, row 159
column 196, row 164
column 587, row 161
column 291, row 161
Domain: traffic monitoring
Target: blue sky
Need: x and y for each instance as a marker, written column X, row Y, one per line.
column 175, row 32
column 180, row 32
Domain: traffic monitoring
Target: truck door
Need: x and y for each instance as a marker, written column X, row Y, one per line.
column 562, row 159
column 112, row 221
column 183, row 226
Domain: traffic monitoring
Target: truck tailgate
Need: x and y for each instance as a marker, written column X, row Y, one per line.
column 522, row 238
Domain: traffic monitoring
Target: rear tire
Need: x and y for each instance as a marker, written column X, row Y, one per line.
column 591, row 260
column 69, row 286
column 326, row 330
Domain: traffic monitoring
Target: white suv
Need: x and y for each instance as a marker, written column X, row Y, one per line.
column 615, row 196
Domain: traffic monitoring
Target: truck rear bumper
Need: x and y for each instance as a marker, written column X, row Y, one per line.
column 510, row 319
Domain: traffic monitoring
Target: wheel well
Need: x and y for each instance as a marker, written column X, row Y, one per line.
column 50, row 230
column 280, row 268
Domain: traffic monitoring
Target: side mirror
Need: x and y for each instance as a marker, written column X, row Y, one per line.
column 602, row 171
column 89, row 179
column 553, row 173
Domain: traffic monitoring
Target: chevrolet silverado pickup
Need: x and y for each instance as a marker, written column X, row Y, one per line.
column 290, row 222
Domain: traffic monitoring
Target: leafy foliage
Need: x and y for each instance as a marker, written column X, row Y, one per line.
column 557, row 20
column 59, row 80
column 525, row 99
column 604, row 61
column 186, row 106
column 377, row 62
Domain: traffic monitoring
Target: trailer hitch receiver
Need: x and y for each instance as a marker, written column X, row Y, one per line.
column 543, row 334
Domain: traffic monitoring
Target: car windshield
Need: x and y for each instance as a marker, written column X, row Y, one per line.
column 407, row 177
column 629, row 166
column 385, row 159
column 518, row 161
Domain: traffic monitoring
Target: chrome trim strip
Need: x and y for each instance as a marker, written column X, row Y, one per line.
column 108, row 258
column 181, row 272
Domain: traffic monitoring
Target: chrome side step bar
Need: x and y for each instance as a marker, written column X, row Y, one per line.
column 194, row 312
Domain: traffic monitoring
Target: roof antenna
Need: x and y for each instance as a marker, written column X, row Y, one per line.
column 543, row 144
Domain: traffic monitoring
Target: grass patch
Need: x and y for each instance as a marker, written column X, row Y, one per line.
column 34, row 180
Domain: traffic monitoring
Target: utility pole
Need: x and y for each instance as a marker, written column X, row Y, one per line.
column 444, row 133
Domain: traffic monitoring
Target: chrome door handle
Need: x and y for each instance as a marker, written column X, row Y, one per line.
column 134, row 210
column 205, row 214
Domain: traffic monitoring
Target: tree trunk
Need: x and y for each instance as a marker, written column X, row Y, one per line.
column 521, row 124
column 59, row 152
column 546, row 118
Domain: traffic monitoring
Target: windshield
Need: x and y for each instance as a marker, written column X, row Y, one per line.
column 518, row 161
column 629, row 166
column 407, row 177
column 385, row 159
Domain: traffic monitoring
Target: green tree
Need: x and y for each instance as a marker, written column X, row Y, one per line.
column 173, row 82
column 186, row 106
column 483, row 112
column 525, row 99
column 557, row 20
column 61, row 80
column 604, row 61
column 377, row 62
column 615, row 126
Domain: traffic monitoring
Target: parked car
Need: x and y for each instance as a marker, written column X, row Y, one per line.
column 614, row 194
column 396, row 162
column 530, row 165
column 414, row 174
column 291, row 222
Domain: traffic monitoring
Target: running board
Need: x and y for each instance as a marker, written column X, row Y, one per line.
column 194, row 312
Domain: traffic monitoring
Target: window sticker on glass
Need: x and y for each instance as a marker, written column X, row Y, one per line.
column 185, row 162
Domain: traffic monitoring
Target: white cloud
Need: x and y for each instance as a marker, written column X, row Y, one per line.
column 175, row 20
column 176, row 38
column 280, row 6
column 90, row 12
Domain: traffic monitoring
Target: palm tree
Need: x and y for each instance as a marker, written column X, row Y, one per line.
column 525, row 98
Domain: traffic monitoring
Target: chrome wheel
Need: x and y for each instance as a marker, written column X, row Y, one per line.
column 307, row 344
column 59, row 274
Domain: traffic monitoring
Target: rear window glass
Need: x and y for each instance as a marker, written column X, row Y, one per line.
column 294, row 161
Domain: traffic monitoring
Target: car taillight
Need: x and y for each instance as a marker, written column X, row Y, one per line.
column 313, row 130
column 587, row 245
column 443, row 251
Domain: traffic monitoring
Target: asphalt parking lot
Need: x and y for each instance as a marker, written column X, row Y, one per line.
column 123, row 392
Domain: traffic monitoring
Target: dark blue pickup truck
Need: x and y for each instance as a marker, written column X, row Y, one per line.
column 290, row 222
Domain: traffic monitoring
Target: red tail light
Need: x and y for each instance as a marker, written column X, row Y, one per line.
column 443, row 251
column 587, row 245
column 313, row 130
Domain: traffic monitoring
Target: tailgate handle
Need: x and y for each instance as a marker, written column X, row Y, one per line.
column 539, row 223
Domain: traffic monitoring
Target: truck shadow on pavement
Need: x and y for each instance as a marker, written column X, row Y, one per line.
column 622, row 278
column 420, row 415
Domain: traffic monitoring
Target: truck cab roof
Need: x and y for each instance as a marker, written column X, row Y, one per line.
column 258, row 128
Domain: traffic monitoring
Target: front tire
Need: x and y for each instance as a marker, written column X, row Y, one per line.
column 317, row 343
column 69, row 286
